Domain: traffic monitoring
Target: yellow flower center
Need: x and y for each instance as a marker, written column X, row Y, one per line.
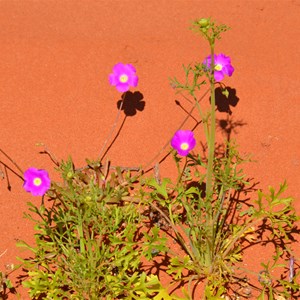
column 123, row 78
column 218, row 67
column 184, row 146
column 37, row 181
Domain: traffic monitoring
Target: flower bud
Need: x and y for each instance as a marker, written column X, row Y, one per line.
column 88, row 198
column 203, row 22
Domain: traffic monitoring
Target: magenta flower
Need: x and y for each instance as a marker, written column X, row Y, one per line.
column 37, row 182
column 123, row 77
column 183, row 142
column 222, row 66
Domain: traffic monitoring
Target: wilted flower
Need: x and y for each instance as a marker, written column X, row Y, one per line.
column 37, row 182
column 222, row 66
column 183, row 142
column 123, row 77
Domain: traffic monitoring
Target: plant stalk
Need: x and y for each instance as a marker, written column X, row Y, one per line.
column 212, row 131
column 209, row 173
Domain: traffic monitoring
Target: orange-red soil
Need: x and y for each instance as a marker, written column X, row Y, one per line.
column 55, row 61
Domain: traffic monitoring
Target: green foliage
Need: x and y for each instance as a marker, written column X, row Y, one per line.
column 209, row 221
column 192, row 80
column 5, row 284
column 213, row 251
column 90, row 242
column 208, row 29
column 277, row 286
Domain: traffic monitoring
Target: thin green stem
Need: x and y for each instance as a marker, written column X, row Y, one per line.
column 100, row 157
column 211, row 141
column 8, row 157
column 177, row 233
column 204, row 119
column 211, row 156
column 149, row 163
column 81, row 236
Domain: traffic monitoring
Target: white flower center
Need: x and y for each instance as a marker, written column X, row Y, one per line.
column 218, row 67
column 184, row 146
column 123, row 78
column 37, row 181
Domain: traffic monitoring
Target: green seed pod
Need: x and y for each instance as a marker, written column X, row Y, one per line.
column 88, row 198
column 203, row 22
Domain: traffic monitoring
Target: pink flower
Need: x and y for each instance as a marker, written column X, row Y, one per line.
column 37, row 182
column 183, row 141
column 222, row 66
column 123, row 77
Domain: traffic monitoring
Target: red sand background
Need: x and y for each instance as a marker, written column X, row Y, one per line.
column 55, row 61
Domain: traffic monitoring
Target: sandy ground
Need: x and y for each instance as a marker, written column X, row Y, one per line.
column 55, row 61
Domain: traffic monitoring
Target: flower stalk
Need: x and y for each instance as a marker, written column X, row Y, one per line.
column 212, row 130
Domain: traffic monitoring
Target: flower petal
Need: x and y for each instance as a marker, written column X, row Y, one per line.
column 112, row 79
column 218, row 75
column 131, row 68
column 118, row 68
column 228, row 70
column 122, row 87
column 133, row 80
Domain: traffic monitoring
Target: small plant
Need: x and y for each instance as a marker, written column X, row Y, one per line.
column 6, row 286
column 90, row 242
column 215, row 225
column 103, row 229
